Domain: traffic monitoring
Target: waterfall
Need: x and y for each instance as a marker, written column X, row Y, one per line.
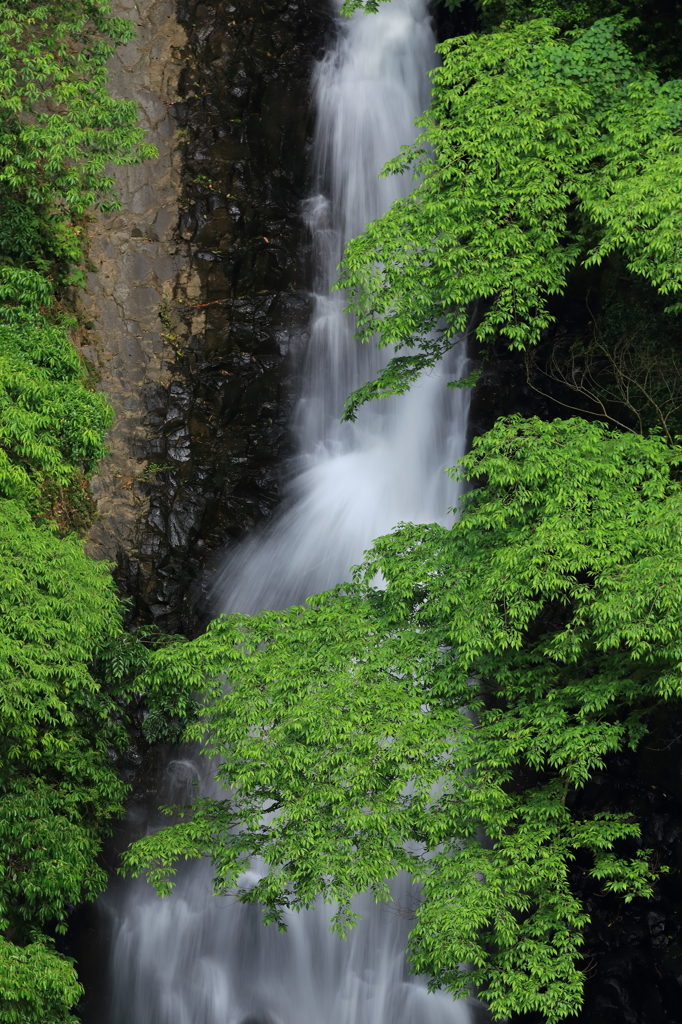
column 195, row 958
column 352, row 482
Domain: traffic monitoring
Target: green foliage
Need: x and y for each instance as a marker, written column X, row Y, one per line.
column 474, row 692
column 120, row 665
column 36, row 984
column 57, row 783
column 60, row 130
column 539, row 154
column 58, row 786
column 51, row 427
column 59, row 612
column 653, row 27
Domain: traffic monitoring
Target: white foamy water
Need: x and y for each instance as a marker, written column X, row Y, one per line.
column 194, row 958
column 353, row 482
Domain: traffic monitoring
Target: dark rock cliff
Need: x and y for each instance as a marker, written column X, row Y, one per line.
column 216, row 423
column 195, row 464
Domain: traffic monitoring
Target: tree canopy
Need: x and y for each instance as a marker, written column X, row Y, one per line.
column 51, row 426
column 474, row 691
column 372, row 6
column 60, row 130
column 58, row 785
column 541, row 152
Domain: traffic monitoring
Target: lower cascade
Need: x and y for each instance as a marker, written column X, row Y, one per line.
column 194, row 958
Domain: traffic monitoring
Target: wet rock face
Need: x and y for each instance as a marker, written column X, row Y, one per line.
column 464, row 18
column 216, row 432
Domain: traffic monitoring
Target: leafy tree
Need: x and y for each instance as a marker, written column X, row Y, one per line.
column 51, row 427
column 474, row 692
column 60, row 130
column 120, row 666
column 372, row 6
column 539, row 154
column 58, row 785
column 653, row 27
column 36, row 984
column 69, row 692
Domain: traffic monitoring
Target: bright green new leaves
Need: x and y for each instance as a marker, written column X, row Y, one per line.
column 53, row 815
column 51, row 426
column 164, row 715
column 58, row 786
column 59, row 126
column 636, row 199
column 539, row 153
column 60, row 132
column 372, row 6
column 292, row 725
column 57, row 607
column 384, row 729
column 60, row 129
column 369, row 6
column 36, row 984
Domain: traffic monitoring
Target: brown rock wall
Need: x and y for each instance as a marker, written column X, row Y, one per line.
column 137, row 261
column 200, row 289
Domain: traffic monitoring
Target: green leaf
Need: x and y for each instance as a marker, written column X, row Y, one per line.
column 539, row 153
column 500, row 663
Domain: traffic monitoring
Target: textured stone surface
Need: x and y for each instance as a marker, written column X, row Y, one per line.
column 138, row 261
column 220, row 426
column 211, row 238
column 215, row 228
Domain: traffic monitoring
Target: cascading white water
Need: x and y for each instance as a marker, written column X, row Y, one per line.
column 353, row 482
column 193, row 958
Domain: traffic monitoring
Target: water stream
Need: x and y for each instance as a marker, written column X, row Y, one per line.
column 353, row 482
column 193, row 958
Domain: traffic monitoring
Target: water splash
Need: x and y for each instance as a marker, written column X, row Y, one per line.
column 194, row 958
